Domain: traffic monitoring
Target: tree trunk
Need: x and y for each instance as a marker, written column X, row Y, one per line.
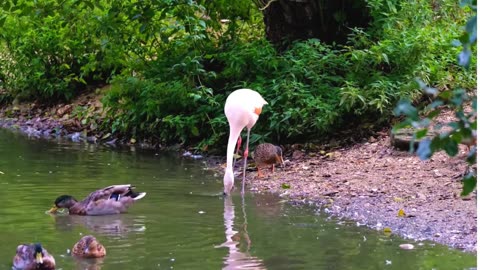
column 327, row 20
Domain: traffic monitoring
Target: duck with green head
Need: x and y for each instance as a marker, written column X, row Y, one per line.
column 107, row 201
column 33, row 256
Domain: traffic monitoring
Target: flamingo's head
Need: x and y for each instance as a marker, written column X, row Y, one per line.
column 228, row 182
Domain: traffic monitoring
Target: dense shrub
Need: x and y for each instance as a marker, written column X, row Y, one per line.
column 54, row 48
column 176, row 61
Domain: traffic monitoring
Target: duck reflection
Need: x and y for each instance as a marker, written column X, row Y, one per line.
column 237, row 242
column 112, row 225
column 88, row 264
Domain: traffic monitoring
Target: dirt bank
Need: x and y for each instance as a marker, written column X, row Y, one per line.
column 367, row 183
column 370, row 183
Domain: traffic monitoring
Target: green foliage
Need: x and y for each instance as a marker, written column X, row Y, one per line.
column 463, row 129
column 173, row 63
column 54, row 48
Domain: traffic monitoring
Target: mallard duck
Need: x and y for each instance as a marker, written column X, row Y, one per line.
column 266, row 154
column 33, row 256
column 107, row 201
column 89, row 247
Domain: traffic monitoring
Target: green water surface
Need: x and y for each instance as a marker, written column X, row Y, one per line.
column 182, row 223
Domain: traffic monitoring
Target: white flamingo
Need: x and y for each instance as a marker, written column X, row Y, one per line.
column 242, row 108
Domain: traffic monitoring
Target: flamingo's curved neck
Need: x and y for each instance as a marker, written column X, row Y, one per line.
column 232, row 140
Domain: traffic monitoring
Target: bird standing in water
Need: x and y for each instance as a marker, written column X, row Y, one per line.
column 242, row 108
column 267, row 154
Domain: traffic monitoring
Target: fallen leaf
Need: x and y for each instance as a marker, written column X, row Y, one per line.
column 401, row 213
column 387, row 231
column 396, row 199
column 285, row 186
column 330, row 155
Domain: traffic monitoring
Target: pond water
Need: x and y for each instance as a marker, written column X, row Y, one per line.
column 182, row 223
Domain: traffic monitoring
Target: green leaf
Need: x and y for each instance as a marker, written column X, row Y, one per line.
column 464, row 57
column 456, row 43
column 451, row 147
column 421, row 133
column 195, row 131
column 471, row 28
column 472, row 156
column 285, row 186
column 405, row 107
column 469, row 184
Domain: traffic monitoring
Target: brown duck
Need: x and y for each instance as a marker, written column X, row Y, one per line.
column 89, row 247
column 33, row 257
column 107, row 201
column 267, row 154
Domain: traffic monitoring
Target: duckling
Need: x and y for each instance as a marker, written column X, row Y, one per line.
column 267, row 154
column 107, row 201
column 89, row 247
column 33, row 256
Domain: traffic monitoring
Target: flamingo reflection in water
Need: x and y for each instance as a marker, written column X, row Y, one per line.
column 236, row 258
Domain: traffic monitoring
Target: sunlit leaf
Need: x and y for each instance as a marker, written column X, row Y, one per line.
column 421, row 133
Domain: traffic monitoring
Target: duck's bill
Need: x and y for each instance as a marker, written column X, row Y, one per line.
column 53, row 210
column 38, row 258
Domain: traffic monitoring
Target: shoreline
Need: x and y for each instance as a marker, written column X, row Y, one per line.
column 367, row 183
column 371, row 183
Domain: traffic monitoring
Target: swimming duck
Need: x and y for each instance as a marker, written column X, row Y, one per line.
column 267, row 154
column 33, row 256
column 89, row 247
column 107, row 201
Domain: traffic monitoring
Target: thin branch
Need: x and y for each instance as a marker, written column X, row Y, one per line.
column 268, row 4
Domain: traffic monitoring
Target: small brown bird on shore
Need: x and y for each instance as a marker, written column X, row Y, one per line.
column 89, row 247
column 33, row 256
column 267, row 154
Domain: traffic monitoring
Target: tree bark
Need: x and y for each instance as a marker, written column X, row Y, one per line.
column 327, row 20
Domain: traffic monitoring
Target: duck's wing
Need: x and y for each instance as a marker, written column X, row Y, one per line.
column 48, row 260
column 110, row 192
column 21, row 259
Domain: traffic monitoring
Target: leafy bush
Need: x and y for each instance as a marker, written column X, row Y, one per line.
column 54, row 48
column 174, row 62
column 461, row 131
